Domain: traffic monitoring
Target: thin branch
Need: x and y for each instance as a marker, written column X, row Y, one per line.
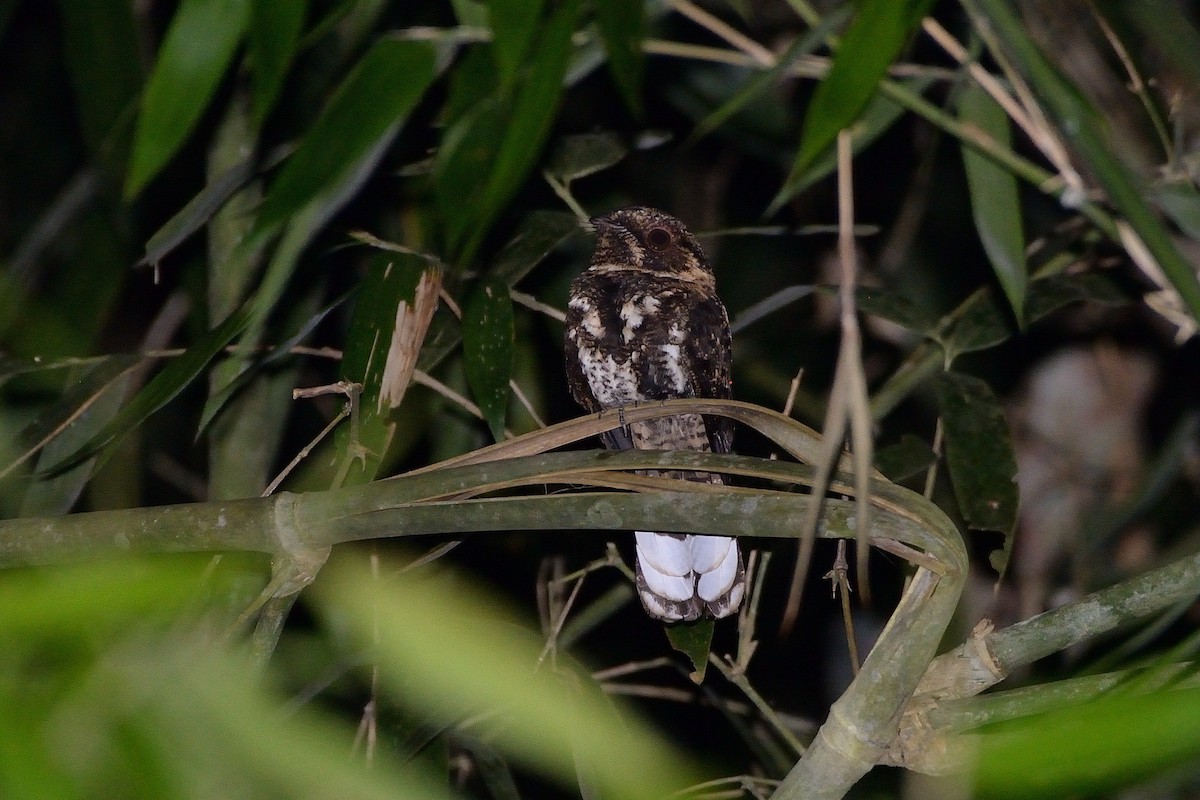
column 761, row 55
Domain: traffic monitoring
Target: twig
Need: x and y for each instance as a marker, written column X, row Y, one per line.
column 738, row 679
column 524, row 401
column 430, row 382
column 531, row 302
column 630, row 668
column 858, row 407
column 564, row 193
column 793, row 390
column 551, row 645
column 756, row 569
column 761, row 55
column 838, row 582
column 308, row 448
column 931, row 473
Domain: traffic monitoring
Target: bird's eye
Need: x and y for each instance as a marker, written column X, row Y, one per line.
column 659, row 238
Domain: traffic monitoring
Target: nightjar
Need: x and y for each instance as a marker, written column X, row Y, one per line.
column 644, row 323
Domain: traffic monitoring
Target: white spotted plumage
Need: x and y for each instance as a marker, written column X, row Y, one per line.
column 644, row 323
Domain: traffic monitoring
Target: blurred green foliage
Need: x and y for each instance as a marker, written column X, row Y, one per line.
column 236, row 149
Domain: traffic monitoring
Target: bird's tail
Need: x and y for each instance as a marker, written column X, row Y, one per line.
column 683, row 576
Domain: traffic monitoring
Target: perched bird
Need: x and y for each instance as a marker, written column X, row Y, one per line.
column 644, row 323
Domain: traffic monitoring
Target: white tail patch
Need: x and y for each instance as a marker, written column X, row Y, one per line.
column 683, row 577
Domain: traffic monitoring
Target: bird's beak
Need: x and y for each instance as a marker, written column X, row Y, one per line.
column 605, row 224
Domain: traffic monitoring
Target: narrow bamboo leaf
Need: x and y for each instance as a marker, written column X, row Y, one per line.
column 488, row 350
column 584, row 154
column 104, row 387
column 533, row 112
column 1171, row 28
column 1181, row 201
column 876, row 119
column 275, row 27
column 175, row 376
column 694, row 640
column 513, row 24
column 84, row 388
column 395, row 305
column 343, row 174
column 1080, row 125
column 472, row 83
column 622, row 25
column 538, row 235
column 195, row 54
column 363, row 116
column 979, row 452
column 196, row 213
column 995, row 203
column 468, row 152
column 218, row 399
column 760, row 82
column 874, row 40
column 101, row 50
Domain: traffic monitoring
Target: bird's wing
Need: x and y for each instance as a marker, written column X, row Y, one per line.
column 709, row 353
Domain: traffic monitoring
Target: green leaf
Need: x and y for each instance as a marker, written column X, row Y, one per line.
column 197, row 212
column 217, row 399
column 1181, row 201
column 391, row 316
column 1092, row 749
column 468, row 152
column 1048, row 295
column 538, row 235
column 876, row 119
column 101, row 49
column 451, row 651
column 196, row 52
column 359, row 121
column 534, row 111
column 995, row 203
column 979, row 453
column 488, row 350
column 164, row 387
column 471, row 13
column 275, row 27
column 513, row 24
column 585, row 154
column 472, row 83
column 622, row 25
column 874, row 40
column 1079, row 124
column 85, row 407
column 982, row 320
column 694, row 640
column 908, row 457
column 760, row 82
column 894, row 306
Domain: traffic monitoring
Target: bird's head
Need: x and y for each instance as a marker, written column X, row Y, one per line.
column 645, row 238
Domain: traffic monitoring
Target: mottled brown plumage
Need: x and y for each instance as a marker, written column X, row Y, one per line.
column 644, row 323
